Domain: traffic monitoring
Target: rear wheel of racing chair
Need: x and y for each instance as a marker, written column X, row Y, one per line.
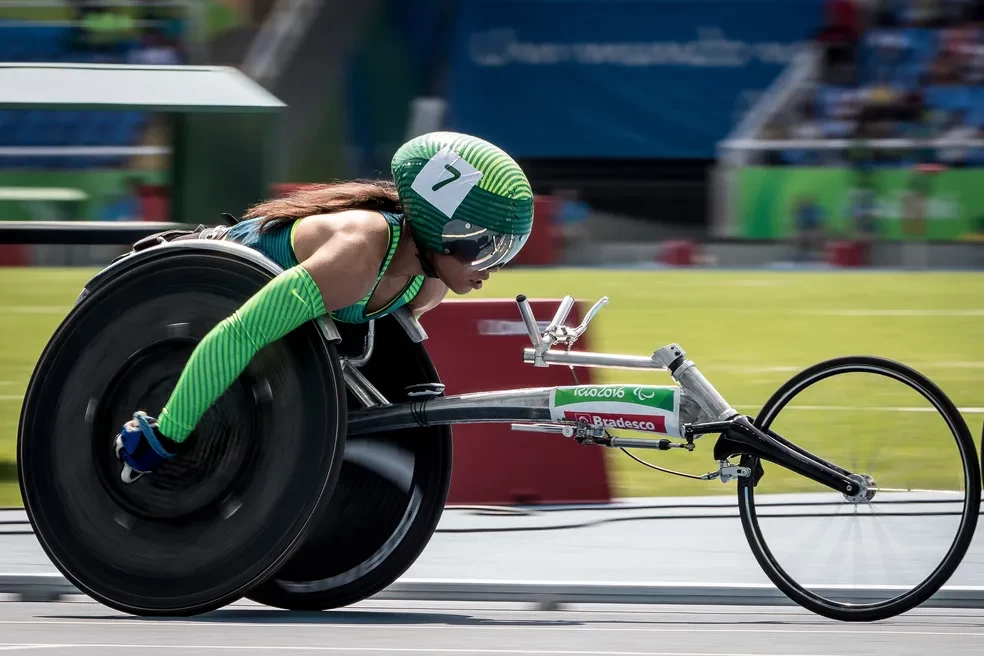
column 201, row 530
column 390, row 494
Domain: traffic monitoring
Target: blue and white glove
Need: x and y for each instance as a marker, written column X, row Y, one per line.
column 139, row 446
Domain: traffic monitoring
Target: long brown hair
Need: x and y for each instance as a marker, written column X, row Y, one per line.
column 376, row 195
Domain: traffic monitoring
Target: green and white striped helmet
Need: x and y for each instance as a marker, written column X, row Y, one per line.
column 465, row 197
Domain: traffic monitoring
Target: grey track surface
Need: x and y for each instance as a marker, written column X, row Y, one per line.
column 373, row 627
column 668, row 545
column 638, row 541
column 642, row 541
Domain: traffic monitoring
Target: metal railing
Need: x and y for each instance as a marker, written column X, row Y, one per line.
column 88, row 233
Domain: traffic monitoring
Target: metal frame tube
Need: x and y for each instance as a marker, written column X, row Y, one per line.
column 363, row 358
column 359, row 385
column 532, row 404
column 527, row 313
column 588, row 359
column 565, row 309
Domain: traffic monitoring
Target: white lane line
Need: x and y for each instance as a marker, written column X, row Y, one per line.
column 459, row 627
column 792, row 368
column 755, row 283
column 418, row 650
column 874, row 408
column 25, row 647
column 907, row 312
column 36, row 309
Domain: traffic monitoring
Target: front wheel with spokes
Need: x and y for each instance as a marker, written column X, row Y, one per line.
column 892, row 546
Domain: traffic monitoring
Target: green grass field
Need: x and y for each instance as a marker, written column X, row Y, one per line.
column 747, row 331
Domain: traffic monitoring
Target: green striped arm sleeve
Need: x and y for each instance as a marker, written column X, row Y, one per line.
column 282, row 305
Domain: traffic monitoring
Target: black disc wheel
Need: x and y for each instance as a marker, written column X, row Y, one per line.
column 891, row 545
column 389, row 498
column 201, row 530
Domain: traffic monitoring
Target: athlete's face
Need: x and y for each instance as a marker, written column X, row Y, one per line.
column 460, row 278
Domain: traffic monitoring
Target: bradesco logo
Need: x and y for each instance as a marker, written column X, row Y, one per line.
column 650, row 423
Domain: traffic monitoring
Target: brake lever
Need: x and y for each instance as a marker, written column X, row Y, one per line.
column 556, row 332
column 595, row 309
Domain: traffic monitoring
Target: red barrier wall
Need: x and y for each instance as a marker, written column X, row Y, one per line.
column 477, row 345
column 13, row 255
column 542, row 248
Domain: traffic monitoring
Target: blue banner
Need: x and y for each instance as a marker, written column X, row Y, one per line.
column 618, row 78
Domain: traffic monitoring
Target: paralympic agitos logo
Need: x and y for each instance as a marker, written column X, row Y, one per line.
column 649, row 423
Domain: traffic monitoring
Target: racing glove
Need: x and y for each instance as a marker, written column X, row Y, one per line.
column 141, row 447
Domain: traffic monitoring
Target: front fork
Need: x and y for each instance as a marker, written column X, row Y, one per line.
column 739, row 436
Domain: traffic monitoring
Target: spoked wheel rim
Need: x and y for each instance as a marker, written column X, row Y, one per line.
column 864, row 603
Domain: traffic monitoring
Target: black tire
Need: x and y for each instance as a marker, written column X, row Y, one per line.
column 373, row 530
column 202, row 530
column 865, row 612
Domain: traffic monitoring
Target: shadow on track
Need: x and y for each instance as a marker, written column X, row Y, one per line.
column 366, row 617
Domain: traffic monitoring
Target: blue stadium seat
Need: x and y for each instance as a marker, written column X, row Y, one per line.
column 39, row 42
column 947, row 98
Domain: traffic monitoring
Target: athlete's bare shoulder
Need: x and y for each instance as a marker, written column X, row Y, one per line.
column 363, row 228
column 343, row 253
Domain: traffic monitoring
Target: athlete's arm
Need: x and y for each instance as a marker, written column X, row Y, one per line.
column 431, row 293
column 337, row 273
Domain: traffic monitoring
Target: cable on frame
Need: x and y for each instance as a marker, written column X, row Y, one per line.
column 622, row 448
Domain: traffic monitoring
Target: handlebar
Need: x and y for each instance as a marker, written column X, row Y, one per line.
column 557, row 330
column 527, row 312
column 670, row 358
column 561, row 316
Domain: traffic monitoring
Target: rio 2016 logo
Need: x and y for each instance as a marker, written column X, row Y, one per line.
column 600, row 392
column 641, row 393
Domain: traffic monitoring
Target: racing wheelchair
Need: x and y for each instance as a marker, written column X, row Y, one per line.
column 319, row 477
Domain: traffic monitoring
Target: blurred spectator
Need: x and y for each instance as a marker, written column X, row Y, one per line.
column 893, row 70
column 808, row 225
column 957, row 129
column 839, row 39
column 923, row 13
column 863, row 205
column 977, row 232
column 123, row 204
column 890, row 50
column 914, row 199
column 135, row 33
column 572, row 216
column 105, row 32
column 155, row 49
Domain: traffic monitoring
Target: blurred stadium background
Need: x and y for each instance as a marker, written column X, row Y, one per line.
column 767, row 182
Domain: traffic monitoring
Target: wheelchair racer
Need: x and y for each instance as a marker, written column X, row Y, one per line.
column 458, row 208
